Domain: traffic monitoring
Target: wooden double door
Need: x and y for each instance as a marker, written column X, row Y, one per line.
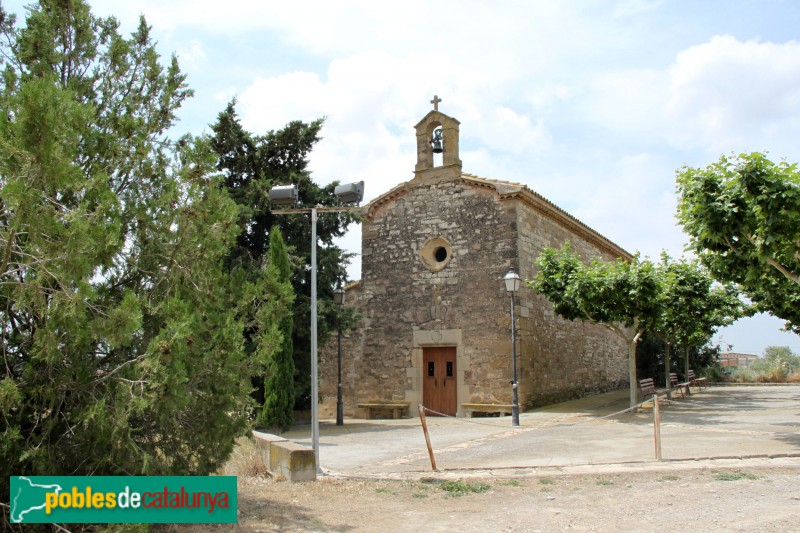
column 439, row 379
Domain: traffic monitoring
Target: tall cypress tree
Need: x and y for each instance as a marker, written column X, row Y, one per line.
column 122, row 329
column 251, row 165
column 279, row 380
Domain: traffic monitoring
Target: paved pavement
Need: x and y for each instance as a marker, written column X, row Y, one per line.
column 720, row 425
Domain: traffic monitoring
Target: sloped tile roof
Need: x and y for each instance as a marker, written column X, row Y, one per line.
column 510, row 190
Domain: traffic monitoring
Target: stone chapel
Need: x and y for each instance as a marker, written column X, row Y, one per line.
column 435, row 322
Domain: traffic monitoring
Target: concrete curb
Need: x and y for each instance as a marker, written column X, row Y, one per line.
column 284, row 458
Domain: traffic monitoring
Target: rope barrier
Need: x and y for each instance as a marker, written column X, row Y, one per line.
column 548, row 424
column 467, row 420
column 551, row 424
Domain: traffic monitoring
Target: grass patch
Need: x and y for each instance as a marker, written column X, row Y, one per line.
column 512, row 483
column 125, row 528
column 383, row 490
column 460, row 488
column 735, row 476
column 604, row 482
column 246, row 460
column 546, row 481
column 419, row 495
column 668, row 477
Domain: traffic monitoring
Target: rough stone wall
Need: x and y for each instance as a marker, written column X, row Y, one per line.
column 407, row 304
column 561, row 359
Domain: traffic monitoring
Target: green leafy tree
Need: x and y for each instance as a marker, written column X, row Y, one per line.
column 651, row 351
column 252, row 164
column 777, row 360
column 621, row 296
column 279, row 381
column 693, row 308
column 122, row 327
column 742, row 214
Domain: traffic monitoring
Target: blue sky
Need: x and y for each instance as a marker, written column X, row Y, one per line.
column 593, row 104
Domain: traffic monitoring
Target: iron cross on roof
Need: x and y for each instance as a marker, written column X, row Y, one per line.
column 435, row 102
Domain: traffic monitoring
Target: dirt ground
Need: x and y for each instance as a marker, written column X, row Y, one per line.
column 739, row 499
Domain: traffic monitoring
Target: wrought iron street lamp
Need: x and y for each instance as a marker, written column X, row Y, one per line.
column 513, row 283
column 338, row 298
column 349, row 195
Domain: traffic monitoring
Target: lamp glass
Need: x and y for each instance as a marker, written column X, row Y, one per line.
column 512, row 281
column 338, row 295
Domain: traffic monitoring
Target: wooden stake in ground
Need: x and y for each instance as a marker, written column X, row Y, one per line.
column 427, row 437
column 657, row 426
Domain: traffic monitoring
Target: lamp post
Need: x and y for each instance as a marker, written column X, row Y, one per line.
column 349, row 194
column 338, row 298
column 513, row 282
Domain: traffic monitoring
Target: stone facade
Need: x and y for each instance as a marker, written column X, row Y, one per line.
column 434, row 252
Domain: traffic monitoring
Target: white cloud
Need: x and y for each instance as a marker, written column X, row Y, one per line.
column 273, row 102
column 720, row 96
column 628, row 102
column 630, row 203
column 546, row 97
column 732, row 95
column 191, row 54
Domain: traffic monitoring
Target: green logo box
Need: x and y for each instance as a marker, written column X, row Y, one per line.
column 123, row 499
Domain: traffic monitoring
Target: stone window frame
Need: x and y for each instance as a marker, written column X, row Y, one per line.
column 431, row 251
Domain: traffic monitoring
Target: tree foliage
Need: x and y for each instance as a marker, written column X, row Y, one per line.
column 693, row 307
column 122, row 327
column 252, row 164
column 651, row 355
column 280, row 372
column 778, row 360
column 743, row 217
column 622, row 296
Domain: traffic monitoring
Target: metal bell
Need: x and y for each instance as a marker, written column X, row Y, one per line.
column 437, row 143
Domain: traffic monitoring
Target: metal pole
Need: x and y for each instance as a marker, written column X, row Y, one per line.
column 314, row 362
column 515, row 401
column 339, row 406
column 314, row 379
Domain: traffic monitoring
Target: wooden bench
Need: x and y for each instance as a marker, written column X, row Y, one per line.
column 675, row 385
column 397, row 408
column 692, row 379
column 485, row 408
column 648, row 388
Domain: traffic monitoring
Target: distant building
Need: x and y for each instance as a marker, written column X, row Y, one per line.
column 733, row 359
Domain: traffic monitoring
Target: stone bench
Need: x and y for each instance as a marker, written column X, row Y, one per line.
column 397, row 408
column 486, row 408
column 286, row 459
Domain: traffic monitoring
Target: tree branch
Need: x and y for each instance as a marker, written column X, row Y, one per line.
column 109, row 374
column 611, row 327
column 770, row 261
column 783, row 270
column 7, row 252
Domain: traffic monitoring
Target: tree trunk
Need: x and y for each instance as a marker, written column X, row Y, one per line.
column 686, row 362
column 632, row 368
column 667, row 351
